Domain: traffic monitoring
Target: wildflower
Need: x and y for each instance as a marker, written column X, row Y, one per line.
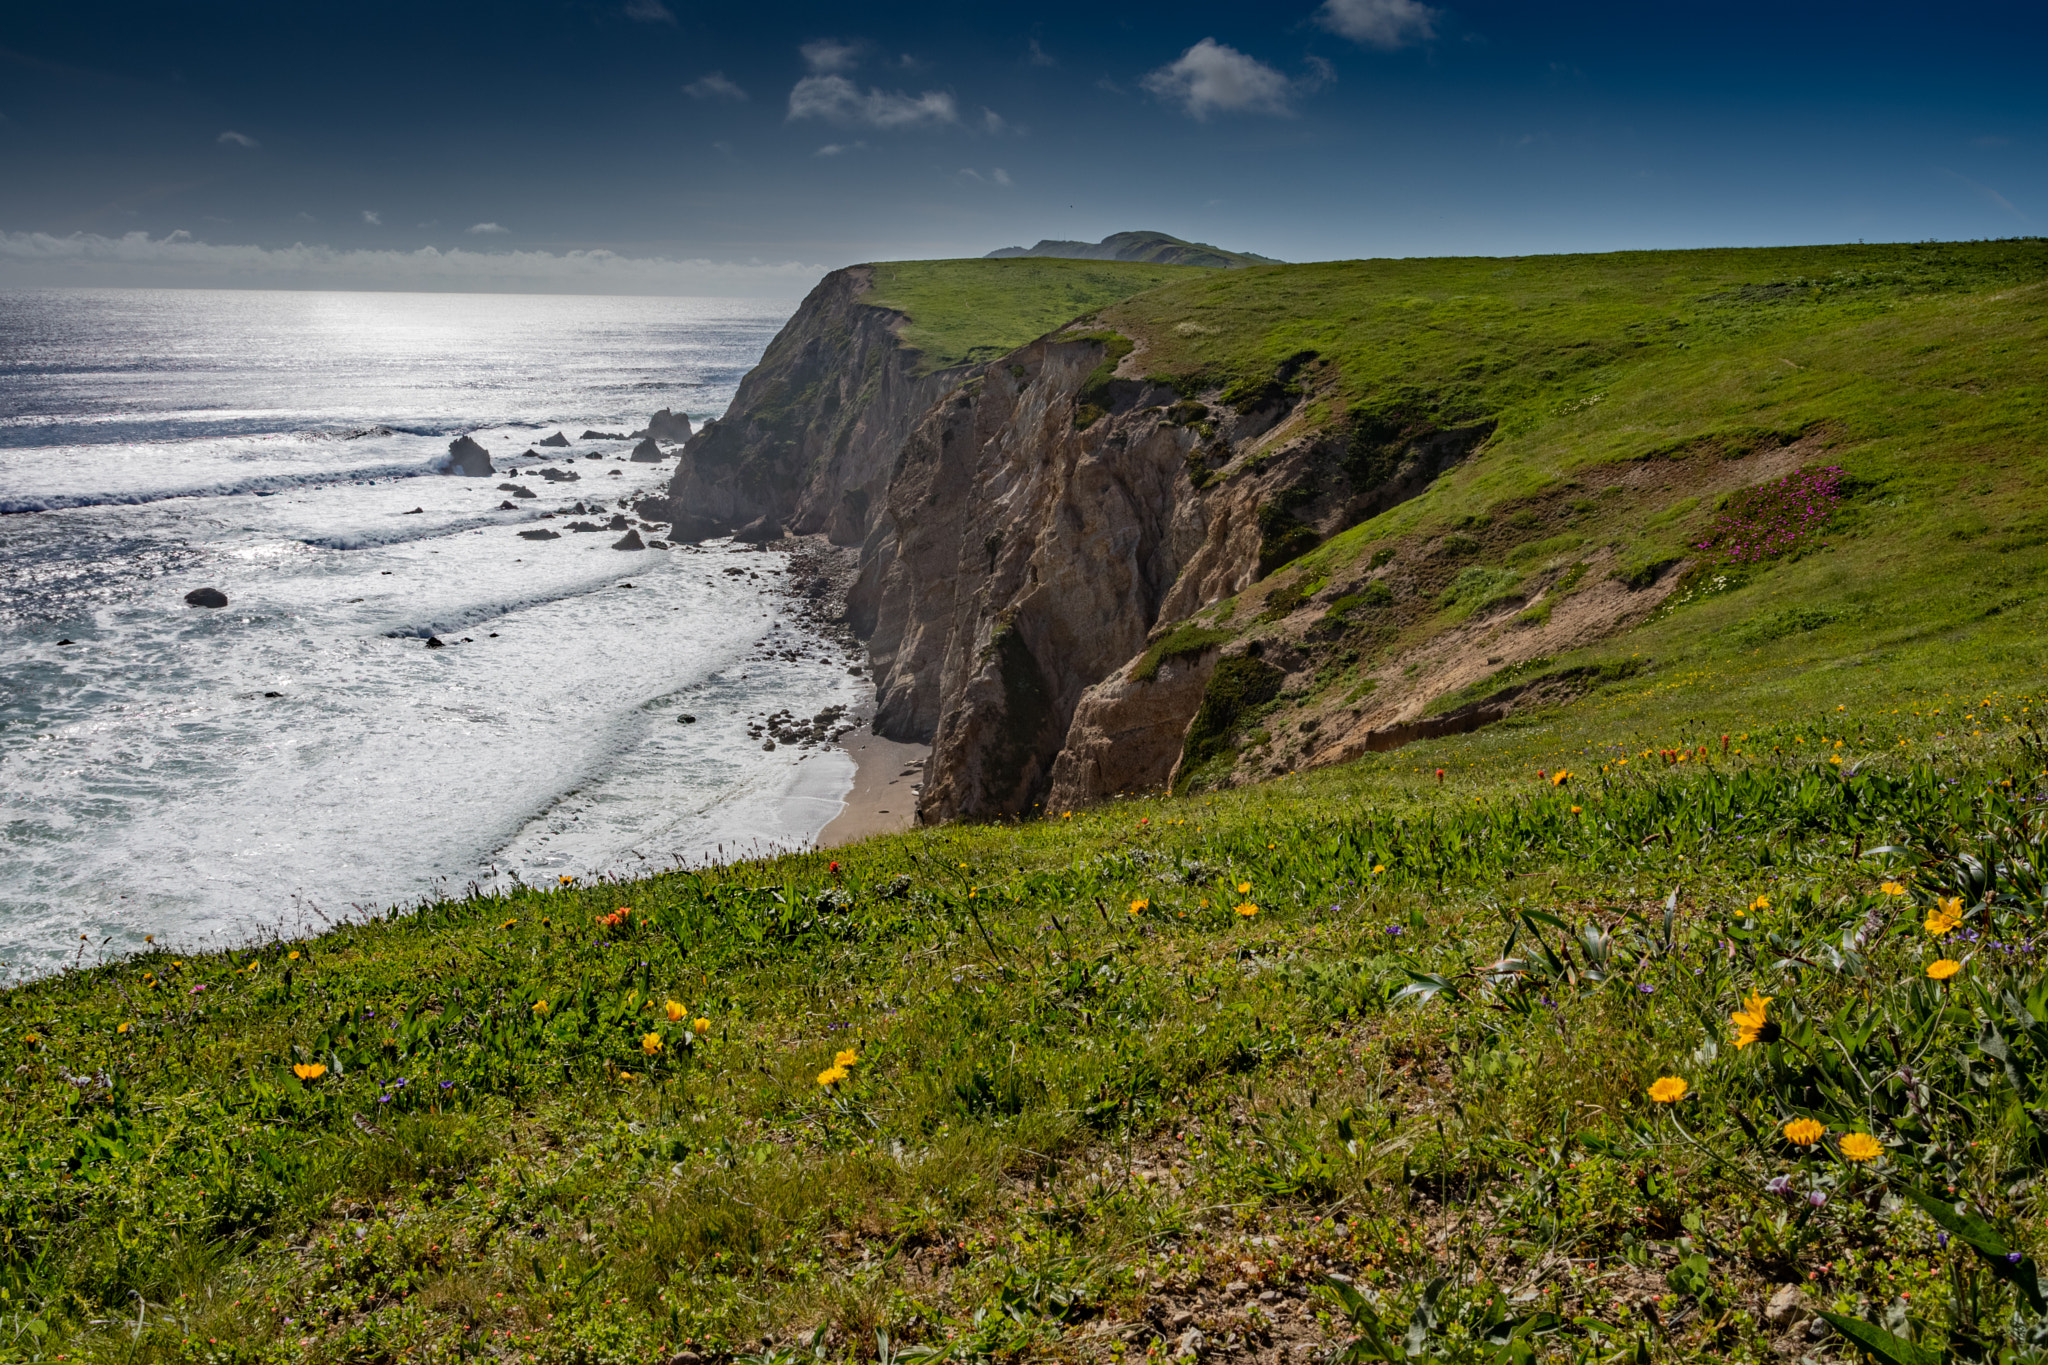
column 1247, row 909
column 540, row 1007
column 1946, row 915
column 1818, row 1199
column 1835, row 759
column 1140, row 905
column 700, row 1026
column 845, row 1057
column 1860, row 1147
column 1668, row 1089
column 291, row 957
column 1751, row 1025
column 1892, row 889
column 1560, row 777
column 1067, row 815
column 831, row 1076
column 564, row 881
column 1575, row 810
column 1780, row 1185
column 31, row 1038
column 1760, row 903
column 1943, row 969
column 650, row 1043
column 508, row 924
column 626, row 1075
column 1805, row 1132
column 675, row 1011
column 1378, row 868
column 832, row 867
column 1244, row 888
column 123, row 1027
column 309, row 1071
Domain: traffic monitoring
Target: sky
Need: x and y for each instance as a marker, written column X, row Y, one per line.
column 658, row 146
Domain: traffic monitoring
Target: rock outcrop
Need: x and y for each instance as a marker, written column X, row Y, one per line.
column 667, row 426
column 467, row 458
column 206, row 597
column 647, row 452
column 558, row 439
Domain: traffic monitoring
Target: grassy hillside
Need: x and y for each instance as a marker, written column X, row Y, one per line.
column 1376, row 1062
column 972, row 310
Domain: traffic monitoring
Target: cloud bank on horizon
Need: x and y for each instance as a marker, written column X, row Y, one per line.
column 635, row 146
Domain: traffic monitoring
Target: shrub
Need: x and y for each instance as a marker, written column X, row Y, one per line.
column 1186, row 642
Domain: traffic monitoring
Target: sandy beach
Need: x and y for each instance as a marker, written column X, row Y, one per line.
column 883, row 799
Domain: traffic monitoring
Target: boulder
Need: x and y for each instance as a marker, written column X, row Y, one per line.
column 617, row 523
column 436, row 642
column 647, row 452
column 558, row 439
column 585, row 526
column 467, row 458
column 540, row 535
column 690, row 528
column 508, row 488
column 524, row 493
column 554, row 475
column 602, row 436
column 629, row 541
column 759, row 531
column 668, row 426
column 206, row 597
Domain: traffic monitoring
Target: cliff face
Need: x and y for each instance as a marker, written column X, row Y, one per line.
column 815, row 427
column 1025, row 528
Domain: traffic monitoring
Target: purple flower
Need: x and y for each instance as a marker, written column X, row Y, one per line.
column 383, row 1099
column 447, row 1085
column 1394, row 929
column 1780, row 1185
column 1941, row 1240
column 2012, row 1258
column 1646, row 988
column 1817, row 1199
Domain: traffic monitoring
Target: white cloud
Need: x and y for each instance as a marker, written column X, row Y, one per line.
column 827, row 55
column 487, row 230
column 649, row 12
column 840, row 148
column 1212, row 76
column 998, row 176
column 373, row 218
column 995, row 124
column 37, row 258
column 838, row 100
column 713, row 85
column 1037, row 56
column 235, row 139
column 1385, row 24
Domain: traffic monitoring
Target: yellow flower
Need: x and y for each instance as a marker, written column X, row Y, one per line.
column 1751, row 1025
column 565, row 880
column 1946, row 915
column 1892, row 889
column 1805, row 1132
column 1378, row 868
column 1247, row 909
column 1140, row 905
column 625, row 1075
column 1575, row 810
column 650, row 1043
column 508, row 924
column 291, row 957
column 831, row 1075
column 1067, row 816
column 540, row 1007
column 1668, row 1089
column 1860, row 1147
column 1244, row 888
column 700, row 1026
column 845, row 1057
column 1760, row 903
column 1560, row 777
column 123, row 1027
column 309, row 1071
column 675, row 1011
column 1943, row 969
column 1835, row 759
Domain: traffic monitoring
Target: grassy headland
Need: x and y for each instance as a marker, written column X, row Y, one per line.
column 1361, row 1059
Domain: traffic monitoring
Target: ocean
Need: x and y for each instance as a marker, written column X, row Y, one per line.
column 302, row 756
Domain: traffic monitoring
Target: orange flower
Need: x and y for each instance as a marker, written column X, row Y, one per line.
column 1860, row 1147
column 1668, row 1089
column 1751, row 1023
column 1248, row 910
column 650, row 1043
column 309, row 1071
column 700, row 1026
column 1943, row 969
column 1945, row 916
column 675, row 1011
column 1805, row 1132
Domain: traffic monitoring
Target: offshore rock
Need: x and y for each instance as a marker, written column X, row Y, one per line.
column 558, row 439
column 647, row 452
column 668, row 426
column 629, row 541
column 467, row 458
column 206, row 597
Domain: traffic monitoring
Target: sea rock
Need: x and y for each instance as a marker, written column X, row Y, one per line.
column 554, row 475
column 542, row 534
column 467, row 458
column 524, row 493
column 585, row 526
column 617, row 523
column 688, row 528
column 417, row 511
column 528, row 454
column 668, row 426
column 602, row 436
column 686, row 719
column 558, row 439
column 206, row 597
column 629, row 541
column 647, row 452
column 506, row 507
column 436, row 642
column 508, row 488
column 759, row 531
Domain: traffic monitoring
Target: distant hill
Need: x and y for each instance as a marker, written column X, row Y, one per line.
column 1159, row 248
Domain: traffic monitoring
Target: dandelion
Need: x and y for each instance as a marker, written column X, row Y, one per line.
column 1244, row 888
column 309, row 1071
column 1943, row 969
column 1861, row 1147
column 650, row 1043
column 1378, row 868
column 845, row 1057
column 626, row 1076
column 831, row 1076
column 1140, row 905
column 31, row 1038
column 1751, row 1025
column 291, row 957
column 1247, row 909
column 675, row 1011
column 1946, row 915
column 700, row 1026
column 1805, row 1132
column 1892, row 889
column 1760, row 903
column 1668, row 1089
column 508, row 924
column 540, row 1007
column 123, row 1028
column 1575, row 810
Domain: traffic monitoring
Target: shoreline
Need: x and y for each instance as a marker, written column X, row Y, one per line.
column 883, row 797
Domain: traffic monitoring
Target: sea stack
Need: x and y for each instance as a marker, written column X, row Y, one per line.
column 668, row 426
column 558, row 439
column 467, row 458
column 647, row 452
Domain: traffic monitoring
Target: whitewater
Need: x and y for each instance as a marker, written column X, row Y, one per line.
column 302, row 756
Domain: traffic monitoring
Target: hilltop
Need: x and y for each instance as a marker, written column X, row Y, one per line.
column 1158, row 247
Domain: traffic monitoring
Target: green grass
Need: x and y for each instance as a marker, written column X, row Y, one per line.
column 966, row 311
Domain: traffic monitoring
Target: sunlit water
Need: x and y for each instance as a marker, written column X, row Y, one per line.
column 202, row 775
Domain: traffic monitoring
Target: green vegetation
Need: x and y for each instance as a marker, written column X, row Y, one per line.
column 963, row 312
column 1186, row 641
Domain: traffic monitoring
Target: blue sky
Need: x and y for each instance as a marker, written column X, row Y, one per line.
column 657, row 145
